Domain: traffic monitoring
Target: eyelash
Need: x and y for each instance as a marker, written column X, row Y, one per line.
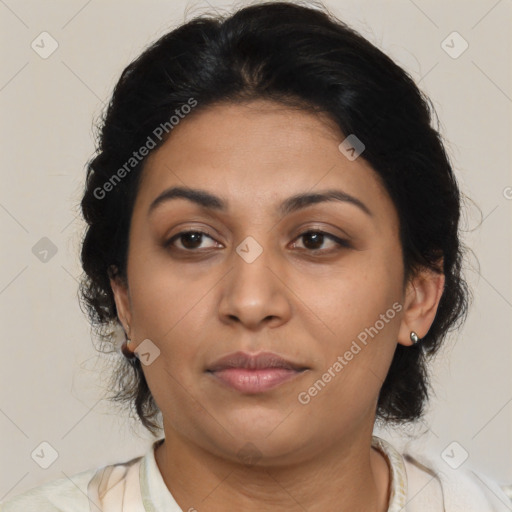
column 342, row 244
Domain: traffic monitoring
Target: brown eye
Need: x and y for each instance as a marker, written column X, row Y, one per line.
column 313, row 240
column 190, row 240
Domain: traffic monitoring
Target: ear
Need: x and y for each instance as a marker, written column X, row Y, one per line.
column 122, row 298
column 423, row 293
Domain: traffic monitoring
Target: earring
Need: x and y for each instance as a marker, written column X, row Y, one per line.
column 126, row 351
column 414, row 338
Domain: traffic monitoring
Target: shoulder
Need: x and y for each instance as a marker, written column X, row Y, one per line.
column 69, row 494
column 431, row 486
column 81, row 492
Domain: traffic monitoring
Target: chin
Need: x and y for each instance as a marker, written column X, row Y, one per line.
column 267, row 438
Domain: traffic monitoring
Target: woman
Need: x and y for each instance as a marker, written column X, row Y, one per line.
column 275, row 225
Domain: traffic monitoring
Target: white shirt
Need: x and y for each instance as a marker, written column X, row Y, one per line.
column 138, row 486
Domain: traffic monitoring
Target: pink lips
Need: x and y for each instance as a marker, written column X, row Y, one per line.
column 254, row 373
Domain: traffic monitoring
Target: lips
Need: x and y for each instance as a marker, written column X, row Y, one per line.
column 254, row 373
column 253, row 362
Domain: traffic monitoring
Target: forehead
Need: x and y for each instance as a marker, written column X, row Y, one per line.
column 258, row 152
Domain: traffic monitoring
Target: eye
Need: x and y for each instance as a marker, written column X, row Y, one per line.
column 314, row 239
column 190, row 240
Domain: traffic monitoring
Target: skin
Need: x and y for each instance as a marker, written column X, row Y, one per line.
column 306, row 307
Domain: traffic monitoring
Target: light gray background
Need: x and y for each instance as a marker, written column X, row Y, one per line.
column 51, row 378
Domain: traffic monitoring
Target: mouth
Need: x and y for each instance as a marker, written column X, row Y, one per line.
column 254, row 373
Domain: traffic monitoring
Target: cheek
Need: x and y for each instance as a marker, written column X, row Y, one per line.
column 163, row 296
column 167, row 310
column 167, row 314
column 352, row 297
column 361, row 307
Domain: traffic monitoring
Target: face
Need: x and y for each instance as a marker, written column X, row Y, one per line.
column 261, row 278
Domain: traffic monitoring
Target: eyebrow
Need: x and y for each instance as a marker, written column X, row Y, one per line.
column 291, row 204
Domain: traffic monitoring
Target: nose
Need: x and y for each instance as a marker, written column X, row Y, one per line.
column 255, row 293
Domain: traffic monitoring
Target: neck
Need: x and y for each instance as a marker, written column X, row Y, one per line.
column 345, row 478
